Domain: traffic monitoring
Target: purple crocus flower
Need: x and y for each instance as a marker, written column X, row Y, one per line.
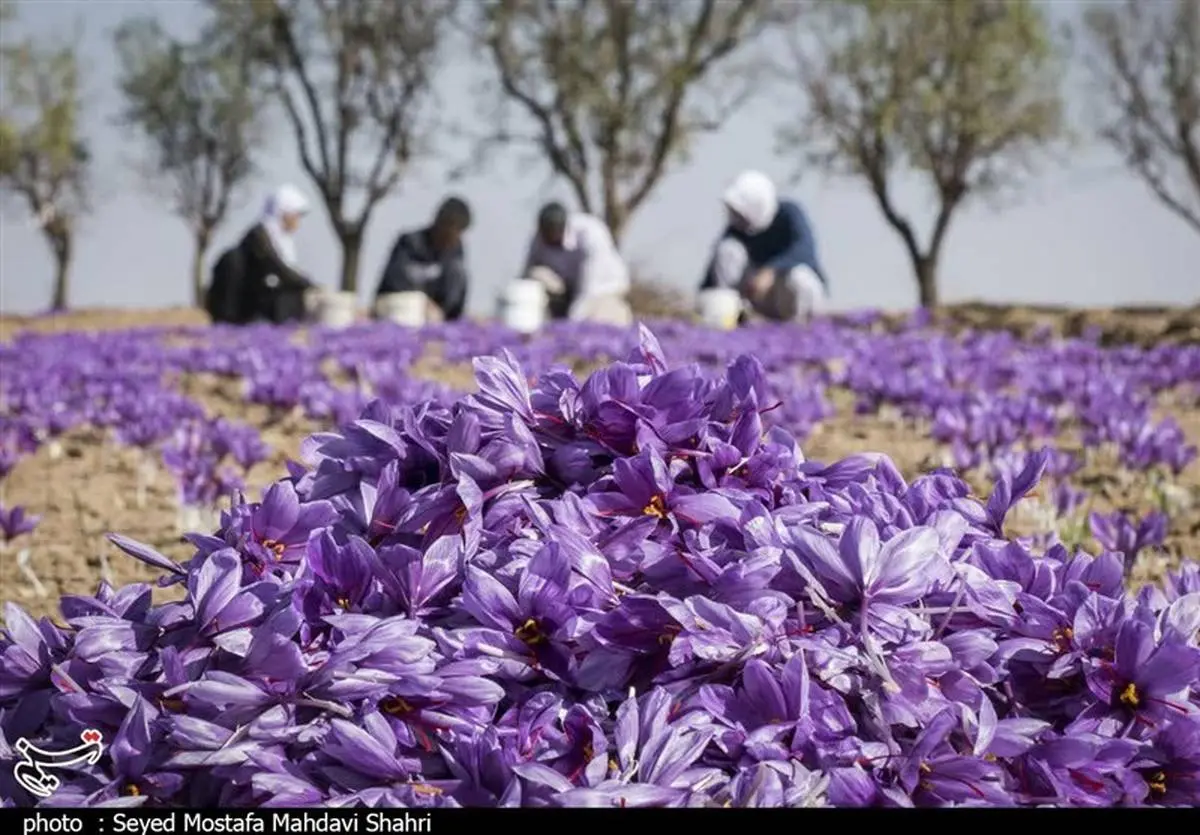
column 534, row 626
column 458, row 698
column 1144, row 685
column 716, row 633
column 133, row 757
column 583, row 756
column 644, row 486
column 758, row 786
column 17, row 439
column 652, row 750
column 633, row 644
column 936, row 774
column 1185, row 580
column 280, row 527
column 416, row 580
column 512, row 455
column 14, row 523
column 870, row 579
column 483, row 765
column 853, row 787
column 366, row 754
column 1009, row 489
column 285, row 785
column 1116, row 532
column 221, row 604
column 246, row 446
column 341, row 576
column 380, row 507
column 1067, row 498
column 1081, row 770
column 765, row 711
column 1171, row 766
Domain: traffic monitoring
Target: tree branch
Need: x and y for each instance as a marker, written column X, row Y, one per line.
column 549, row 140
column 1144, row 61
column 296, row 63
column 952, row 91
column 607, row 83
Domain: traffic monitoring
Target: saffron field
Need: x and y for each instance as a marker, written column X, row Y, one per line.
column 877, row 560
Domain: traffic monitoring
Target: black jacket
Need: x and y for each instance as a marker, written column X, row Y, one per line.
column 252, row 283
column 413, row 266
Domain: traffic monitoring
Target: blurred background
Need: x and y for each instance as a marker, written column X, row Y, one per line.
column 1054, row 145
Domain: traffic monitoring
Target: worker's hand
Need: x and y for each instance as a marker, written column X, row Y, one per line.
column 760, row 284
column 433, row 313
column 549, row 279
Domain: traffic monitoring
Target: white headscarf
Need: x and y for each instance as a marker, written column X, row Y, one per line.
column 287, row 200
column 752, row 195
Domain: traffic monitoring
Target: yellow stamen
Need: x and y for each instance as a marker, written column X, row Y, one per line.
column 1158, row 783
column 657, row 507
column 1129, row 696
column 1063, row 637
column 530, row 633
column 395, row 706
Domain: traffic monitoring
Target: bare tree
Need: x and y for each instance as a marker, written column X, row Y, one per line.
column 198, row 108
column 962, row 93
column 615, row 90
column 1144, row 62
column 43, row 158
column 355, row 81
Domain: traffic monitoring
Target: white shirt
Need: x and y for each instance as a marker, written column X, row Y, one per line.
column 588, row 257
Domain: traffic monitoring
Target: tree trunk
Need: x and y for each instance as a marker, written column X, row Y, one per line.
column 351, row 251
column 924, row 263
column 927, row 289
column 203, row 237
column 60, row 243
column 616, row 218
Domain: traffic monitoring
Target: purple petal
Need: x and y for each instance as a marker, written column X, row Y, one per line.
column 145, row 553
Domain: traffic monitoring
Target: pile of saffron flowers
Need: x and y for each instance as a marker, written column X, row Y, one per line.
column 625, row 591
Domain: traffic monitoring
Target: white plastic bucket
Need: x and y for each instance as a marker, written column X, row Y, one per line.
column 407, row 309
column 523, row 306
column 720, row 307
column 337, row 310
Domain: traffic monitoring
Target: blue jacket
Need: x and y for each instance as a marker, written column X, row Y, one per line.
column 787, row 243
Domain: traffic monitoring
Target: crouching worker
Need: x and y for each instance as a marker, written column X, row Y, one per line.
column 767, row 253
column 432, row 261
column 257, row 280
column 575, row 257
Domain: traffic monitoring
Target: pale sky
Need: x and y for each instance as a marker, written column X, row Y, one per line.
column 1084, row 234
